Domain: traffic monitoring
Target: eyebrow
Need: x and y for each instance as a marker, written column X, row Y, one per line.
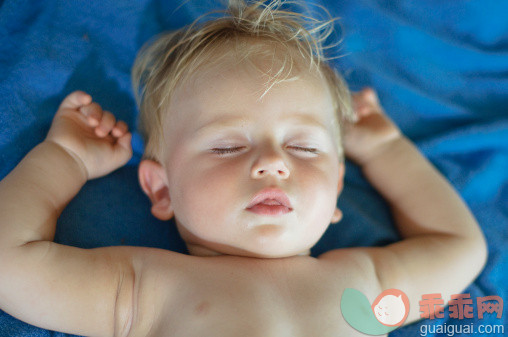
column 235, row 120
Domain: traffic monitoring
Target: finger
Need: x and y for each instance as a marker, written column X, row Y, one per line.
column 360, row 107
column 106, row 124
column 366, row 103
column 124, row 147
column 76, row 100
column 364, row 110
column 124, row 143
column 370, row 96
column 93, row 113
column 119, row 129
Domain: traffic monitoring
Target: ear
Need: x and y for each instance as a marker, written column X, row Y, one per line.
column 342, row 171
column 337, row 214
column 153, row 180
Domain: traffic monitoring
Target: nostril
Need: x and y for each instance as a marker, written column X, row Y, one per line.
column 275, row 172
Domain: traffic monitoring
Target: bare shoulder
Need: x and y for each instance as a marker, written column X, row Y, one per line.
column 382, row 268
column 358, row 266
column 154, row 276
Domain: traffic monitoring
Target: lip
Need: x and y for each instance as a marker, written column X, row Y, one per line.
column 270, row 201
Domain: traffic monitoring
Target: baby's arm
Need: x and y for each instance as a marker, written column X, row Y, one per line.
column 43, row 283
column 443, row 248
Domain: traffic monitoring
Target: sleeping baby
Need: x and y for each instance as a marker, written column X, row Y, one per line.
column 246, row 127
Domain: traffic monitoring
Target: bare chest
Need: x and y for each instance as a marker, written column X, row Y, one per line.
column 279, row 299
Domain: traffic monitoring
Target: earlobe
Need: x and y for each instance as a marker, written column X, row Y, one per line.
column 337, row 216
column 153, row 180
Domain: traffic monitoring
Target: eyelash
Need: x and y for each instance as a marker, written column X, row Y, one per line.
column 305, row 149
column 228, row 150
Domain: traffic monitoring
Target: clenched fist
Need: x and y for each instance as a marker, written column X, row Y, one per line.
column 94, row 137
column 373, row 131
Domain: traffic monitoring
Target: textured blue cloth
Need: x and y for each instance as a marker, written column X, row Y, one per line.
column 440, row 68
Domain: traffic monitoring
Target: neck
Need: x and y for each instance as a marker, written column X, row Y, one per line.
column 200, row 250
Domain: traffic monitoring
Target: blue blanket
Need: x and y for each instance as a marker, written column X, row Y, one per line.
column 441, row 70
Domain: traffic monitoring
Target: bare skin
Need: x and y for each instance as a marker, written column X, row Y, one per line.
column 135, row 291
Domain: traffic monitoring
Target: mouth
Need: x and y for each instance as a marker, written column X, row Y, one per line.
column 270, row 201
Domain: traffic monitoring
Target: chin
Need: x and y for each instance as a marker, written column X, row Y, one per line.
column 273, row 241
column 259, row 246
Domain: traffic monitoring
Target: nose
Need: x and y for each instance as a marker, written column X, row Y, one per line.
column 269, row 163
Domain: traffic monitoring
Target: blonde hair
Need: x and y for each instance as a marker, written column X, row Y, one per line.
column 254, row 29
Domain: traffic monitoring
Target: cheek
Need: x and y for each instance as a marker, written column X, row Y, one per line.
column 204, row 195
column 318, row 190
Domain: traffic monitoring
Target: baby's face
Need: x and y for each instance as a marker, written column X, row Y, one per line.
column 226, row 146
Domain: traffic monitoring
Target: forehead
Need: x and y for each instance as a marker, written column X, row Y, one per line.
column 243, row 91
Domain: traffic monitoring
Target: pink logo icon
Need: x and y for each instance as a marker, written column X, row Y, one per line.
column 391, row 307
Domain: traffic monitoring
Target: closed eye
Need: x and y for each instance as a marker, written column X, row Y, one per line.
column 227, row 150
column 304, row 149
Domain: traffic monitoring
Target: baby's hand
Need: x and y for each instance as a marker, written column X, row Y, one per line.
column 92, row 136
column 372, row 133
